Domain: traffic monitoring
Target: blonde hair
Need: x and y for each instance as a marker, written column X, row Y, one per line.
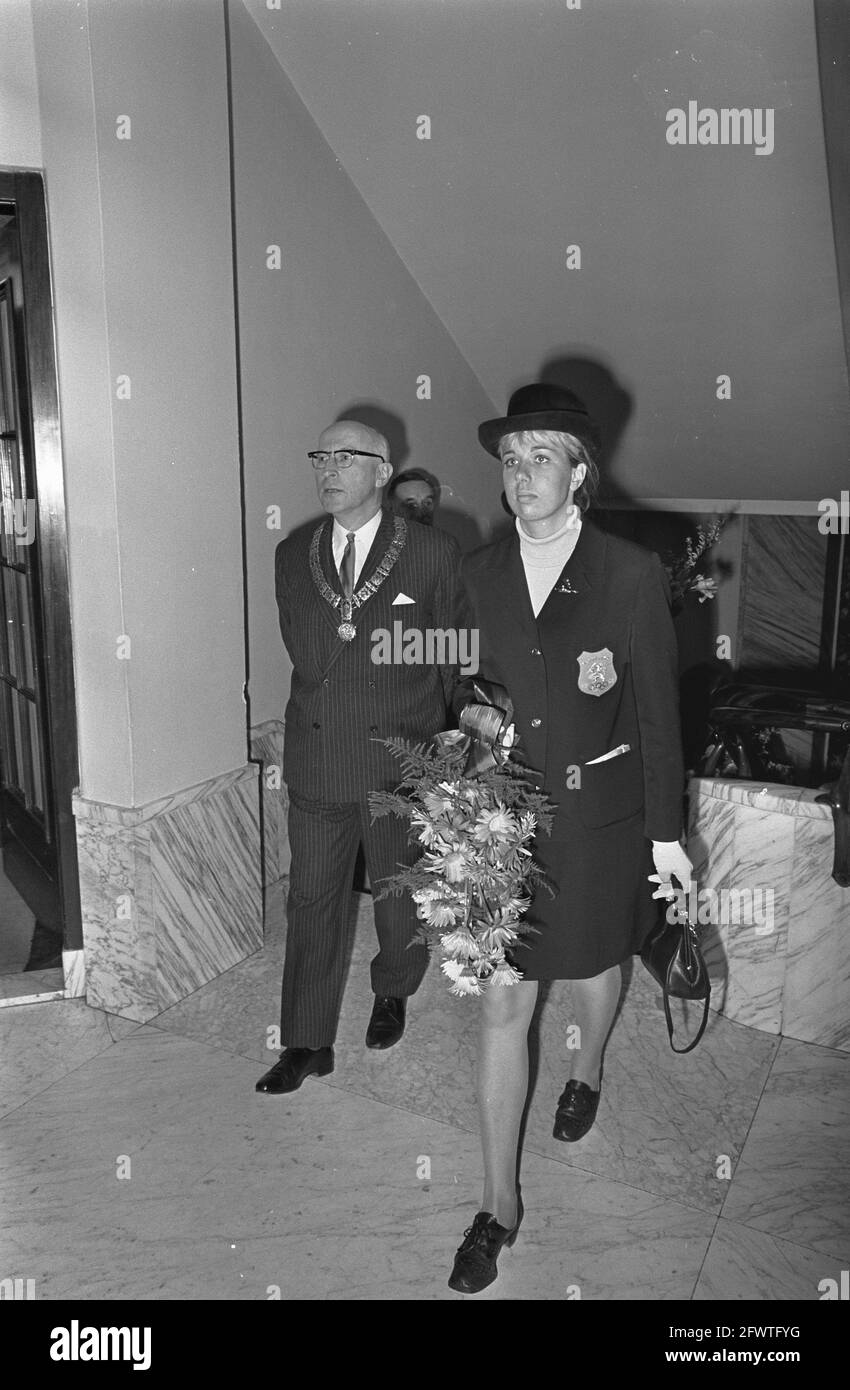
column 576, row 451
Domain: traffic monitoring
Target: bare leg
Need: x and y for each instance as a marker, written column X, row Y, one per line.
column 594, row 1005
column 502, row 1089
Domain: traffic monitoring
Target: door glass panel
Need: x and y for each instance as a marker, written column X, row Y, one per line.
column 27, row 676
column 38, row 772
column 17, row 734
column 10, row 766
column 9, row 463
column 26, row 746
column 8, row 466
column 12, row 486
column 7, row 395
column 10, row 604
column 4, row 636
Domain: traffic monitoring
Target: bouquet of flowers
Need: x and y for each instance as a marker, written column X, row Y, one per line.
column 476, row 876
column 680, row 571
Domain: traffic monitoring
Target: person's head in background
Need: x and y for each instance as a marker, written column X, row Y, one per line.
column 415, row 493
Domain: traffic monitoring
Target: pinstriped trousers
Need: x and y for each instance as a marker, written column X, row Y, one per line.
column 323, row 839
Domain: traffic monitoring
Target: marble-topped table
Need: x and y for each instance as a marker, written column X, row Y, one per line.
column 777, row 941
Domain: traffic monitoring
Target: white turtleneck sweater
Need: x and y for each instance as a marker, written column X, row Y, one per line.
column 543, row 560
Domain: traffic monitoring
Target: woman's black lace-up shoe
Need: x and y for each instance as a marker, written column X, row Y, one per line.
column 475, row 1261
column 576, row 1111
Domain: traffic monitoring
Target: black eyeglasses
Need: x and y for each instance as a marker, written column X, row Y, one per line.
column 343, row 458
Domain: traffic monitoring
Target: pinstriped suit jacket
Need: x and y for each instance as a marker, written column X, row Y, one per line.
column 342, row 704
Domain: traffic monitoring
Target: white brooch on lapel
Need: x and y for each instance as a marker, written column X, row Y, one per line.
column 596, row 672
column 565, row 588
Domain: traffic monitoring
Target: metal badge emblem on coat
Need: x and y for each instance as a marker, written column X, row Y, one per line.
column 596, row 672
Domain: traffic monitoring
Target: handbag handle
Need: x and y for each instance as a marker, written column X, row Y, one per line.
column 668, row 1017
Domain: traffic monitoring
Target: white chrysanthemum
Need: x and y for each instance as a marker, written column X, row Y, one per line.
column 505, row 974
column 460, row 943
column 513, row 908
column 439, row 914
column 434, row 860
column 455, row 868
column 453, row 968
column 495, row 937
column 438, row 805
column 428, row 832
column 466, row 984
column 490, row 825
column 424, row 895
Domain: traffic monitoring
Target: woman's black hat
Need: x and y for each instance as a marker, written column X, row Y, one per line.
column 542, row 407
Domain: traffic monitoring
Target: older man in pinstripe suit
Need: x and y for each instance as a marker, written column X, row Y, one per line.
column 360, row 570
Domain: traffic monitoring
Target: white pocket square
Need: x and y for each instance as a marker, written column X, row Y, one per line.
column 402, row 598
column 615, row 753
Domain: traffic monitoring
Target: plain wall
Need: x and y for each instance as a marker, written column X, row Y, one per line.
column 141, row 254
column 20, row 125
column 341, row 322
column 548, row 129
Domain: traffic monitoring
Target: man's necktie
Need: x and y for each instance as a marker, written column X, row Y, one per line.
column 346, row 569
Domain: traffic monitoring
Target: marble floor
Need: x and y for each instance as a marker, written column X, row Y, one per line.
column 138, row 1162
column 31, row 986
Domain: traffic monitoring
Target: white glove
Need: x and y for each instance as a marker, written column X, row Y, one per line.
column 507, row 739
column 670, row 860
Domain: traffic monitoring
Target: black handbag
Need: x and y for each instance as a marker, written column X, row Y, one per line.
column 672, row 955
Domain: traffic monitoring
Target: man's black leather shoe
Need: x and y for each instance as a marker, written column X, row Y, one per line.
column 475, row 1262
column 387, row 1022
column 576, row 1111
column 295, row 1064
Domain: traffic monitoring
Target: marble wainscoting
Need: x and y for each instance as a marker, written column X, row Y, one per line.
column 267, row 749
column 781, row 965
column 171, row 892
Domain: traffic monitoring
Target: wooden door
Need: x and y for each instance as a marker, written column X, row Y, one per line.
column 38, row 737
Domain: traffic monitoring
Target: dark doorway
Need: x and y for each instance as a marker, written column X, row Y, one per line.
column 39, row 891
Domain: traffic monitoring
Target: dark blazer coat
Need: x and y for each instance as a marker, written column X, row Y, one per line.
column 612, row 595
column 342, row 704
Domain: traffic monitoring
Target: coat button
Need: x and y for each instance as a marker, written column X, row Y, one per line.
column 316, row 726
column 373, row 728
column 535, row 723
column 535, row 651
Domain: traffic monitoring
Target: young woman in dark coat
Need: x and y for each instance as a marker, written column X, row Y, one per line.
column 576, row 625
